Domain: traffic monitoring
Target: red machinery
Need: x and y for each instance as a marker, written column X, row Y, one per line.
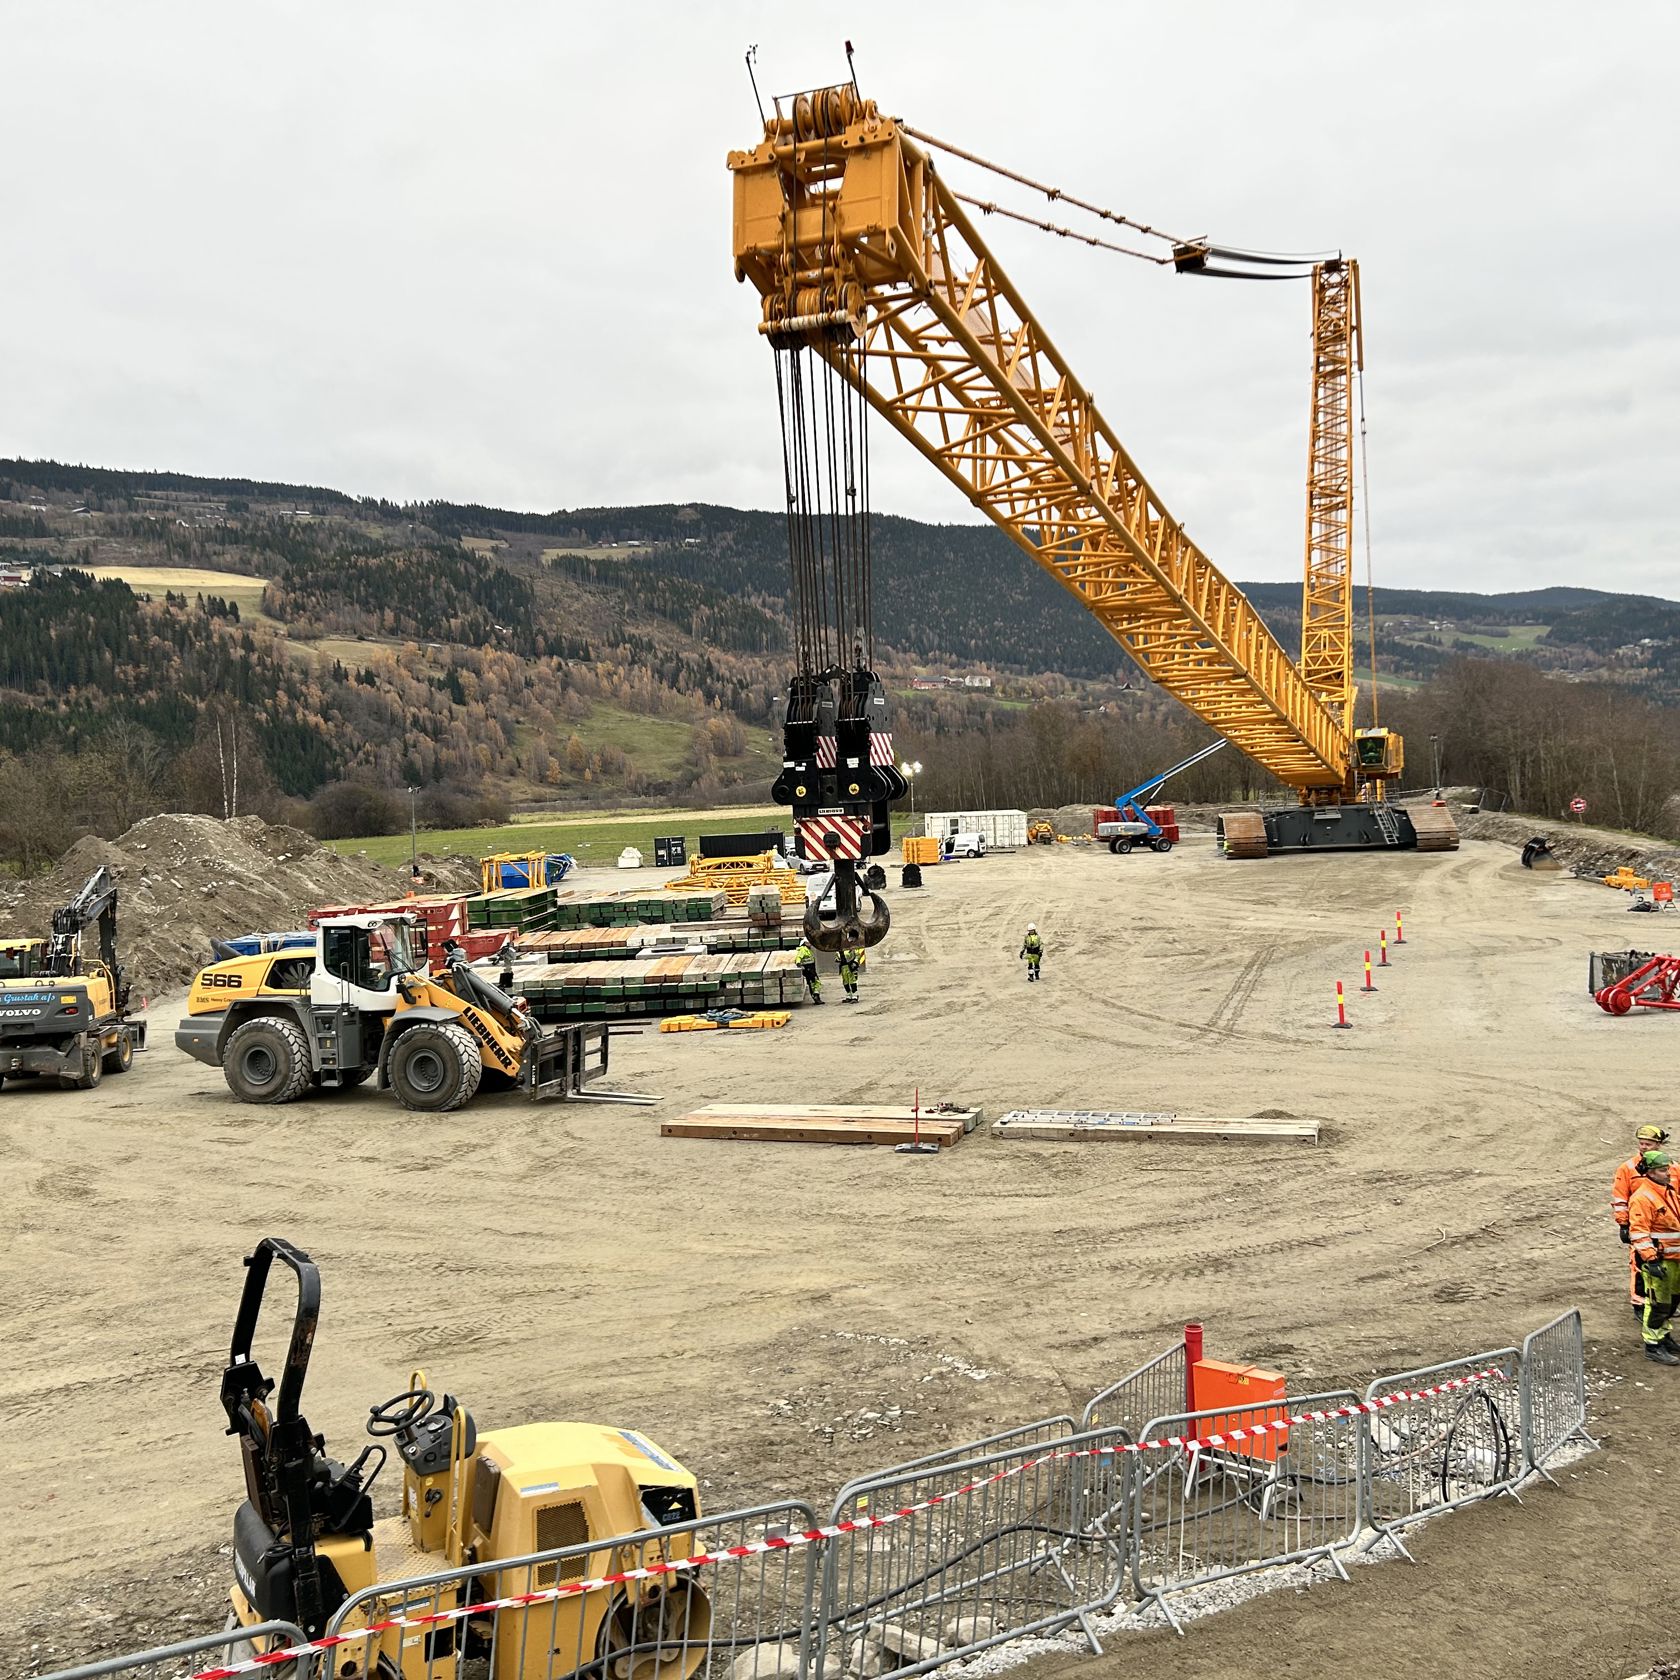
column 1655, row 984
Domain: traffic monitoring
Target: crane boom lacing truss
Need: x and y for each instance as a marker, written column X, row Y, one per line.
column 854, row 210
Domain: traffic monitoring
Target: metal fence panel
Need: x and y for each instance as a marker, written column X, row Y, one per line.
column 954, row 1556
column 1434, row 1451
column 227, row 1642
column 1036, row 1434
column 1554, row 1389
column 634, row 1607
column 1287, row 1493
column 1153, row 1390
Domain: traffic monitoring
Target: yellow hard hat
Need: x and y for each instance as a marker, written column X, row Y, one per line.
column 1651, row 1134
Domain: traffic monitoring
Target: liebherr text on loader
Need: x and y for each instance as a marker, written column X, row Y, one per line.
column 363, row 1004
column 306, row 1542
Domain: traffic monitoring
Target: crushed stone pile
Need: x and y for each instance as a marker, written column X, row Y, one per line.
column 184, row 880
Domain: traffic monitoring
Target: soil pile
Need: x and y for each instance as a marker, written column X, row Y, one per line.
column 183, row 880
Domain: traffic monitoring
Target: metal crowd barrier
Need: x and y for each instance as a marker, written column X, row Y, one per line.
column 1029, row 1539
column 1034, row 1529
column 228, row 1641
column 1288, row 1494
column 1154, row 1389
column 1022, row 1435
column 1554, row 1390
column 1440, row 1451
column 749, row 1617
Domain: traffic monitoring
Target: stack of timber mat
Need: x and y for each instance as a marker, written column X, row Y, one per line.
column 586, row 944
column 946, row 1124
column 675, row 985
column 515, row 909
column 735, row 877
column 630, row 909
column 1055, row 1125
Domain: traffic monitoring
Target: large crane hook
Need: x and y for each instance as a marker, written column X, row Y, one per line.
column 846, row 914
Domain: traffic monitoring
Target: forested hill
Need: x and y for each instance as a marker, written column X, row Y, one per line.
column 952, row 597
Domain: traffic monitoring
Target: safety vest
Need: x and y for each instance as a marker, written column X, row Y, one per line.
column 1033, row 945
column 1654, row 1220
column 804, row 956
column 1621, row 1187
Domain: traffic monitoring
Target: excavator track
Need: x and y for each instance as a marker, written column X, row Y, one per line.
column 1242, row 834
column 1434, row 827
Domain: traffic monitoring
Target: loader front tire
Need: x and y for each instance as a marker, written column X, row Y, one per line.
column 267, row 1061
column 435, row 1067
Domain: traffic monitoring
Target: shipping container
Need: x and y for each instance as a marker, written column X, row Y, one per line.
column 1002, row 831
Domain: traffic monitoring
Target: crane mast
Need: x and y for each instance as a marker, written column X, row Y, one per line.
column 1327, row 594
column 860, row 251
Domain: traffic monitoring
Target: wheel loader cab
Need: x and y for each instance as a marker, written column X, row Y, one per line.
column 361, row 958
column 22, row 959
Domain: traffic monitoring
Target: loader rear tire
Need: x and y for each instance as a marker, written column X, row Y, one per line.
column 267, row 1061
column 93, row 1069
column 120, row 1057
column 436, row 1067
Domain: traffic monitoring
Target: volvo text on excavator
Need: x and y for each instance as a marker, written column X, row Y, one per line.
column 871, row 270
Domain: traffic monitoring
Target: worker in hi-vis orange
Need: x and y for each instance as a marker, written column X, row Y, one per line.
column 1654, row 1231
column 1621, row 1187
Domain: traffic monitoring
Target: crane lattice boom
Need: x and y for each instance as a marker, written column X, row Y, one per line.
column 843, row 225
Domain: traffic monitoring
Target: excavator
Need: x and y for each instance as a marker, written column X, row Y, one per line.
column 878, row 296
column 63, row 1006
column 363, row 1003
column 307, row 1547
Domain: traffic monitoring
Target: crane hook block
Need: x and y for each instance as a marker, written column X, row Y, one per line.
column 866, row 924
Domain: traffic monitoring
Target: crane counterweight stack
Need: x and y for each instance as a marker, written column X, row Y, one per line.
column 865, row 258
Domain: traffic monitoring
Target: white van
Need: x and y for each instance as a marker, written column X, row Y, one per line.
column 969, row 845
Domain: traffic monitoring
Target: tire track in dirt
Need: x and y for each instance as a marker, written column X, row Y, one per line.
column 1229, row 1010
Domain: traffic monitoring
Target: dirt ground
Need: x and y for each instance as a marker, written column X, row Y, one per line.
column 762, row 1309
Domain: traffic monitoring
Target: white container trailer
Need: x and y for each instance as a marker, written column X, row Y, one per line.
column 1003, row 831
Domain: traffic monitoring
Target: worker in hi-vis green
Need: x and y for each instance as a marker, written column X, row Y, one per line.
column 1032, row 948
column 851, row 960
column 805, row 960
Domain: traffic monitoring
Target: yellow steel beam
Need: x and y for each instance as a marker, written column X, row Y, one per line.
column 844, row 227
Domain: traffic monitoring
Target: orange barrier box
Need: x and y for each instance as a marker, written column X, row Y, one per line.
column 1260, row 1395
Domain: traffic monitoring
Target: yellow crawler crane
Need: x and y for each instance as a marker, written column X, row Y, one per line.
column 866, row 257
column 307, row 1548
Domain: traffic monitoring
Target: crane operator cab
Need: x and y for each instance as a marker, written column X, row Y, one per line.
column 309, row 1550
column 1378, row 754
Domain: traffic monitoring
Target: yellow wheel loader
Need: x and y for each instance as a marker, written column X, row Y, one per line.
column 63, row 1006
column 362, row 1004
column 307, row 1547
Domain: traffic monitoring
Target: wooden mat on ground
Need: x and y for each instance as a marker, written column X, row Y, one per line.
column 822, row 1123
column 1051, row 1125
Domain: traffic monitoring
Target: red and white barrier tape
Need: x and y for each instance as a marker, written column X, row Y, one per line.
column 833, row 1531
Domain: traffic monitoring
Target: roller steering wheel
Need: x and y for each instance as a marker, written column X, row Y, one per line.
column 400, row 1412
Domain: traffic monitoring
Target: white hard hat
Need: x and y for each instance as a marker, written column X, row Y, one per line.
column 1032, row 927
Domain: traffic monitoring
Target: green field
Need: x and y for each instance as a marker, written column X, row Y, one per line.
column 595, row 837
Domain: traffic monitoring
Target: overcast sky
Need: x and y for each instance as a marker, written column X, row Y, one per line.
column 482, row 252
